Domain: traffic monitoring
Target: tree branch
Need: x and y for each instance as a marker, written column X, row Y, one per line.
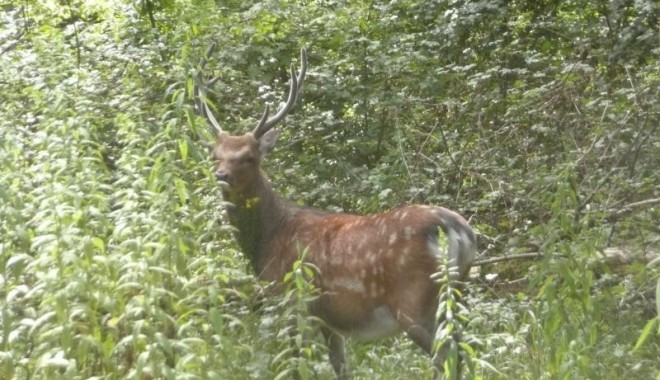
column 522, row 256
column 616, row 214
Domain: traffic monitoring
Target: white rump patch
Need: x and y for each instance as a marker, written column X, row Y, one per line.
column 435, row 248
column 460, row 249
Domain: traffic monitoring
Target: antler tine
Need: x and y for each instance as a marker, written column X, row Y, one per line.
column 262, row 121
column 265, row 124
column 199, row 91
column 303, row 70
column 209, row 116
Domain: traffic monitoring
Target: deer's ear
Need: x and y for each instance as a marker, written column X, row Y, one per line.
column 268, row 140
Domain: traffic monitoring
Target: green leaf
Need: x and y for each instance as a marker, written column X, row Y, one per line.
column 657, row 299
column 183, row 149
column 646, row 332
column 181, row 190
column 98, row 243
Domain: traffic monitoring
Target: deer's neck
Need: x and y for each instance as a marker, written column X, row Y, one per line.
column 257, row 214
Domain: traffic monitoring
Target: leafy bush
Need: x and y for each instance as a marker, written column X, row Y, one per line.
column 538, row 121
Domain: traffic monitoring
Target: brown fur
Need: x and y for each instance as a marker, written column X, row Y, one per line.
column 374, row 270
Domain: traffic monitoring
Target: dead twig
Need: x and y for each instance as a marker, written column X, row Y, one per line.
column 521, row 256
column 616, row 214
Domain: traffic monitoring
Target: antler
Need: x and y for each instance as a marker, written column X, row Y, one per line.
column 199, row 90
column 265, row 124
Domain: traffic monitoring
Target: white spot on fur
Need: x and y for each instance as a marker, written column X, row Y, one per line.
column 349, row 283
column 373, row 289
column 336, row 260
column 393, row 238
column 408, row 233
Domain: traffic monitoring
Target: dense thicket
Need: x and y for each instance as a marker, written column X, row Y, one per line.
column 537, row 120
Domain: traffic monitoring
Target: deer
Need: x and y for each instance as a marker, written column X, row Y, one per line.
column 375, row 272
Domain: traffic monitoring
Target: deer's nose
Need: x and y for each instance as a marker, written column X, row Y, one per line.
column 222, row 176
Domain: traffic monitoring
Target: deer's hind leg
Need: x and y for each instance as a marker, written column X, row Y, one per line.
column 416, row 317
column 414, row 308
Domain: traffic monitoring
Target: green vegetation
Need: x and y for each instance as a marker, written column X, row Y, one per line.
column 537, row 120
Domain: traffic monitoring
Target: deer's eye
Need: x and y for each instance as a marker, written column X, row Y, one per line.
column 247, row 160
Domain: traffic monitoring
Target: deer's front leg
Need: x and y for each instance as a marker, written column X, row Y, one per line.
column 337, row 352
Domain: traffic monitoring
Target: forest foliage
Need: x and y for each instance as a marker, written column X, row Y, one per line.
column 537, row 120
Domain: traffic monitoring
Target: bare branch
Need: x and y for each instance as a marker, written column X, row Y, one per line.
column 616, row 214
column 522, row 256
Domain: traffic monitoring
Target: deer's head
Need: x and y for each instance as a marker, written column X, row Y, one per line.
column 238, row 157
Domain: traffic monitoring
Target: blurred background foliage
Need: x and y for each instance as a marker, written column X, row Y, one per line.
column 537, row 120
